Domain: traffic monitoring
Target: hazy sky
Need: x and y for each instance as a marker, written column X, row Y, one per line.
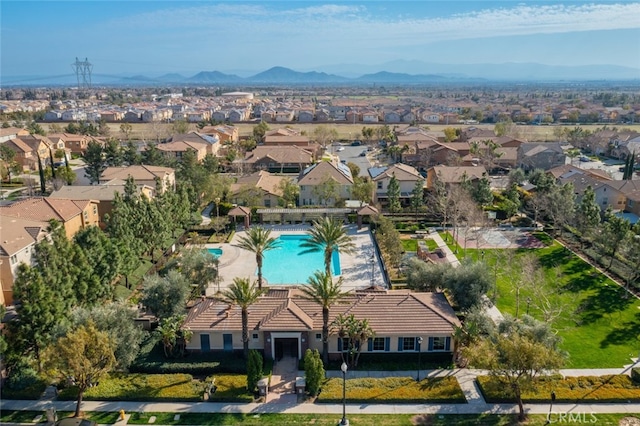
column 155, row 37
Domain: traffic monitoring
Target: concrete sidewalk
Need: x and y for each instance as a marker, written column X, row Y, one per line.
column 316, row 408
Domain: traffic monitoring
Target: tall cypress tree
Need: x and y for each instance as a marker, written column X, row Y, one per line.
column 41, row 171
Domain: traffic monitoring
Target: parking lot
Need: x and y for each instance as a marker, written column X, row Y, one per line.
column 610, row 166
column 353, row 154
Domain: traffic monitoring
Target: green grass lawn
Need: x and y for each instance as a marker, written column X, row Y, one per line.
column 599, row 324
column 410, row 246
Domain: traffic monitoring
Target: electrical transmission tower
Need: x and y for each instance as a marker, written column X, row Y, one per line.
column 83, row 73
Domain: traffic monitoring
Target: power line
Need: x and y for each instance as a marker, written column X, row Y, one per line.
column 83, row 72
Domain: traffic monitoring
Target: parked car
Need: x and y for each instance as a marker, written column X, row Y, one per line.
column 356, row 143
column 340, row 149
column 585, row 159
column 363, row 154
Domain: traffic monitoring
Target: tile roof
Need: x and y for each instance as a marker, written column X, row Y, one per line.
column 18, row 233
column 317, row 173
column 454, row 174
column 44, row 209
column 388, row 312
column 402, row 172
column 137, row 172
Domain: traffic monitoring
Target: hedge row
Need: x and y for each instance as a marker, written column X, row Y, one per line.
column 141, row 387
column 611, row 388
column 163, row 387
column 393, row 390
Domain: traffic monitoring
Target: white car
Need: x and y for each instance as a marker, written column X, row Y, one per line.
column 340, row 149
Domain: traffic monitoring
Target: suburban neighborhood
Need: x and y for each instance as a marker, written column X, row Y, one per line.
column 297, row 251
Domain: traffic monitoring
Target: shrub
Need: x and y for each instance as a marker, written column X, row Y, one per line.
column 254, row 370
column 393, row 390
column 230, row 388
column 141, row 387
column 635, row 375
column 313, row 371
column 612, row 388
column 23, row 383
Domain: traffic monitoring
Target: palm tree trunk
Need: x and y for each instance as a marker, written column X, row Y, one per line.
column 325, row 335
column 245, row 333
column 259, row 261
column 327, row 261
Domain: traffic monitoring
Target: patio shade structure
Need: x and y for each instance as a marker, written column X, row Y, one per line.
column 242, row 211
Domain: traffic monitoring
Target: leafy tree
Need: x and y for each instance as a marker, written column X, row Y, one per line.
column 327, row 190
column 393, row 195
column 543, row 181
column 362, row 189
column 258, row 240
column 481, row 192
column 94, row 160
column 198, row 266
column 126, row 129
column 450, row 134
column 313, row 371
column 516, row 354
column 290, row 192
column 424, row 276
column 259, row 131
column 254, row 370
column 516, row 177
column 165, row 296
column 323, row 291
column 325, row 236
column 243, row 294
column 324, row 134
column 9, row 157
column 468, row 283
column 117, row 320
column 84, row 356
column 614, row 231
column 559, row 205
column 354, row 333
column 36, row 129
column 388, row 238
column 180, row 127
column 156, row 225
column 588, row 213
column 631, row 251
column 173, row 336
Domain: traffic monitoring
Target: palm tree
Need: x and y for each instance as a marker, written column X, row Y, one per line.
column 325, row 292
column 258, row 241
column 244, row 294
column 327, row 235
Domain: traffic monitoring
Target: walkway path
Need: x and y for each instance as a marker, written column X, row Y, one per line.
column 206, row 214
column 451, row 258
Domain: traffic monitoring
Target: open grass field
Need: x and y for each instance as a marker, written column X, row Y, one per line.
column 599, row 322
column 153, row 131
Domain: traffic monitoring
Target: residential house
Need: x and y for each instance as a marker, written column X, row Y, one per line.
column 132, row 116
column 606, row 195
column 406, row 175
column 104, row 193
column 623, row 149
column 77, row 144
column 454, row 175
column 28, row 148
column 279, row 159
column 74, row 215
column 543, row 155
column 284, row 115
column 392, row 117
column 314, row 179
column 178, row 148
column 212, row 141
column 226, row 134
column 305, row 116
column 282, row 323
column 630, row 192
column 370, row 116
column 19, row 237
column 9, row 133
column 262, row 185
column 142, row 175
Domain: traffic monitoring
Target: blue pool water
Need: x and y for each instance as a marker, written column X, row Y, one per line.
column 285, row 265
column 216, row 252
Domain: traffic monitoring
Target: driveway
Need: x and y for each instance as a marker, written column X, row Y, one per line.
column 351, row 154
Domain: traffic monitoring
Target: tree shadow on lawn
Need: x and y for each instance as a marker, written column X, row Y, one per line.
column 581, row 279
column 608, row 299
column 624, row 333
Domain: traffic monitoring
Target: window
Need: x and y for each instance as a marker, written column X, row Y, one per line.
column 86, row 215
column 378, row 344
column 95, row 210
column 380, row 185
column 267, row 203
column 408, row 343
column 14, row 259
column 254, row 336
column 318, row 336
column 343, row 344
column 439, row 343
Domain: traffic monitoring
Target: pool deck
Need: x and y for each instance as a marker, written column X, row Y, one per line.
column 356, row 268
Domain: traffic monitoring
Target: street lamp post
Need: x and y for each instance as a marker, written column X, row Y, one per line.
column 344, row 421
column 419, row 352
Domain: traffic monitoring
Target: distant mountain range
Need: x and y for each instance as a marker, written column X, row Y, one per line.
column 396, row 72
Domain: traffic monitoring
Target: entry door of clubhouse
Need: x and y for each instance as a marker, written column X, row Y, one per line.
column 227, row 342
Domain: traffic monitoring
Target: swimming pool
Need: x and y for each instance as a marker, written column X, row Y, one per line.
column 216, row 252
column 285, row 265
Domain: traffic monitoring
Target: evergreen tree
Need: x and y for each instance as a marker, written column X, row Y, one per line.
column 130, row 156
column 94, row 161
column 254, row 370
column 393, row 195
column 313, row 371
column 417, row 196
column 588, row 213
column 113, row 153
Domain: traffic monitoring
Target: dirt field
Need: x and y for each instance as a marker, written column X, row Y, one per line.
column 148, row 131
